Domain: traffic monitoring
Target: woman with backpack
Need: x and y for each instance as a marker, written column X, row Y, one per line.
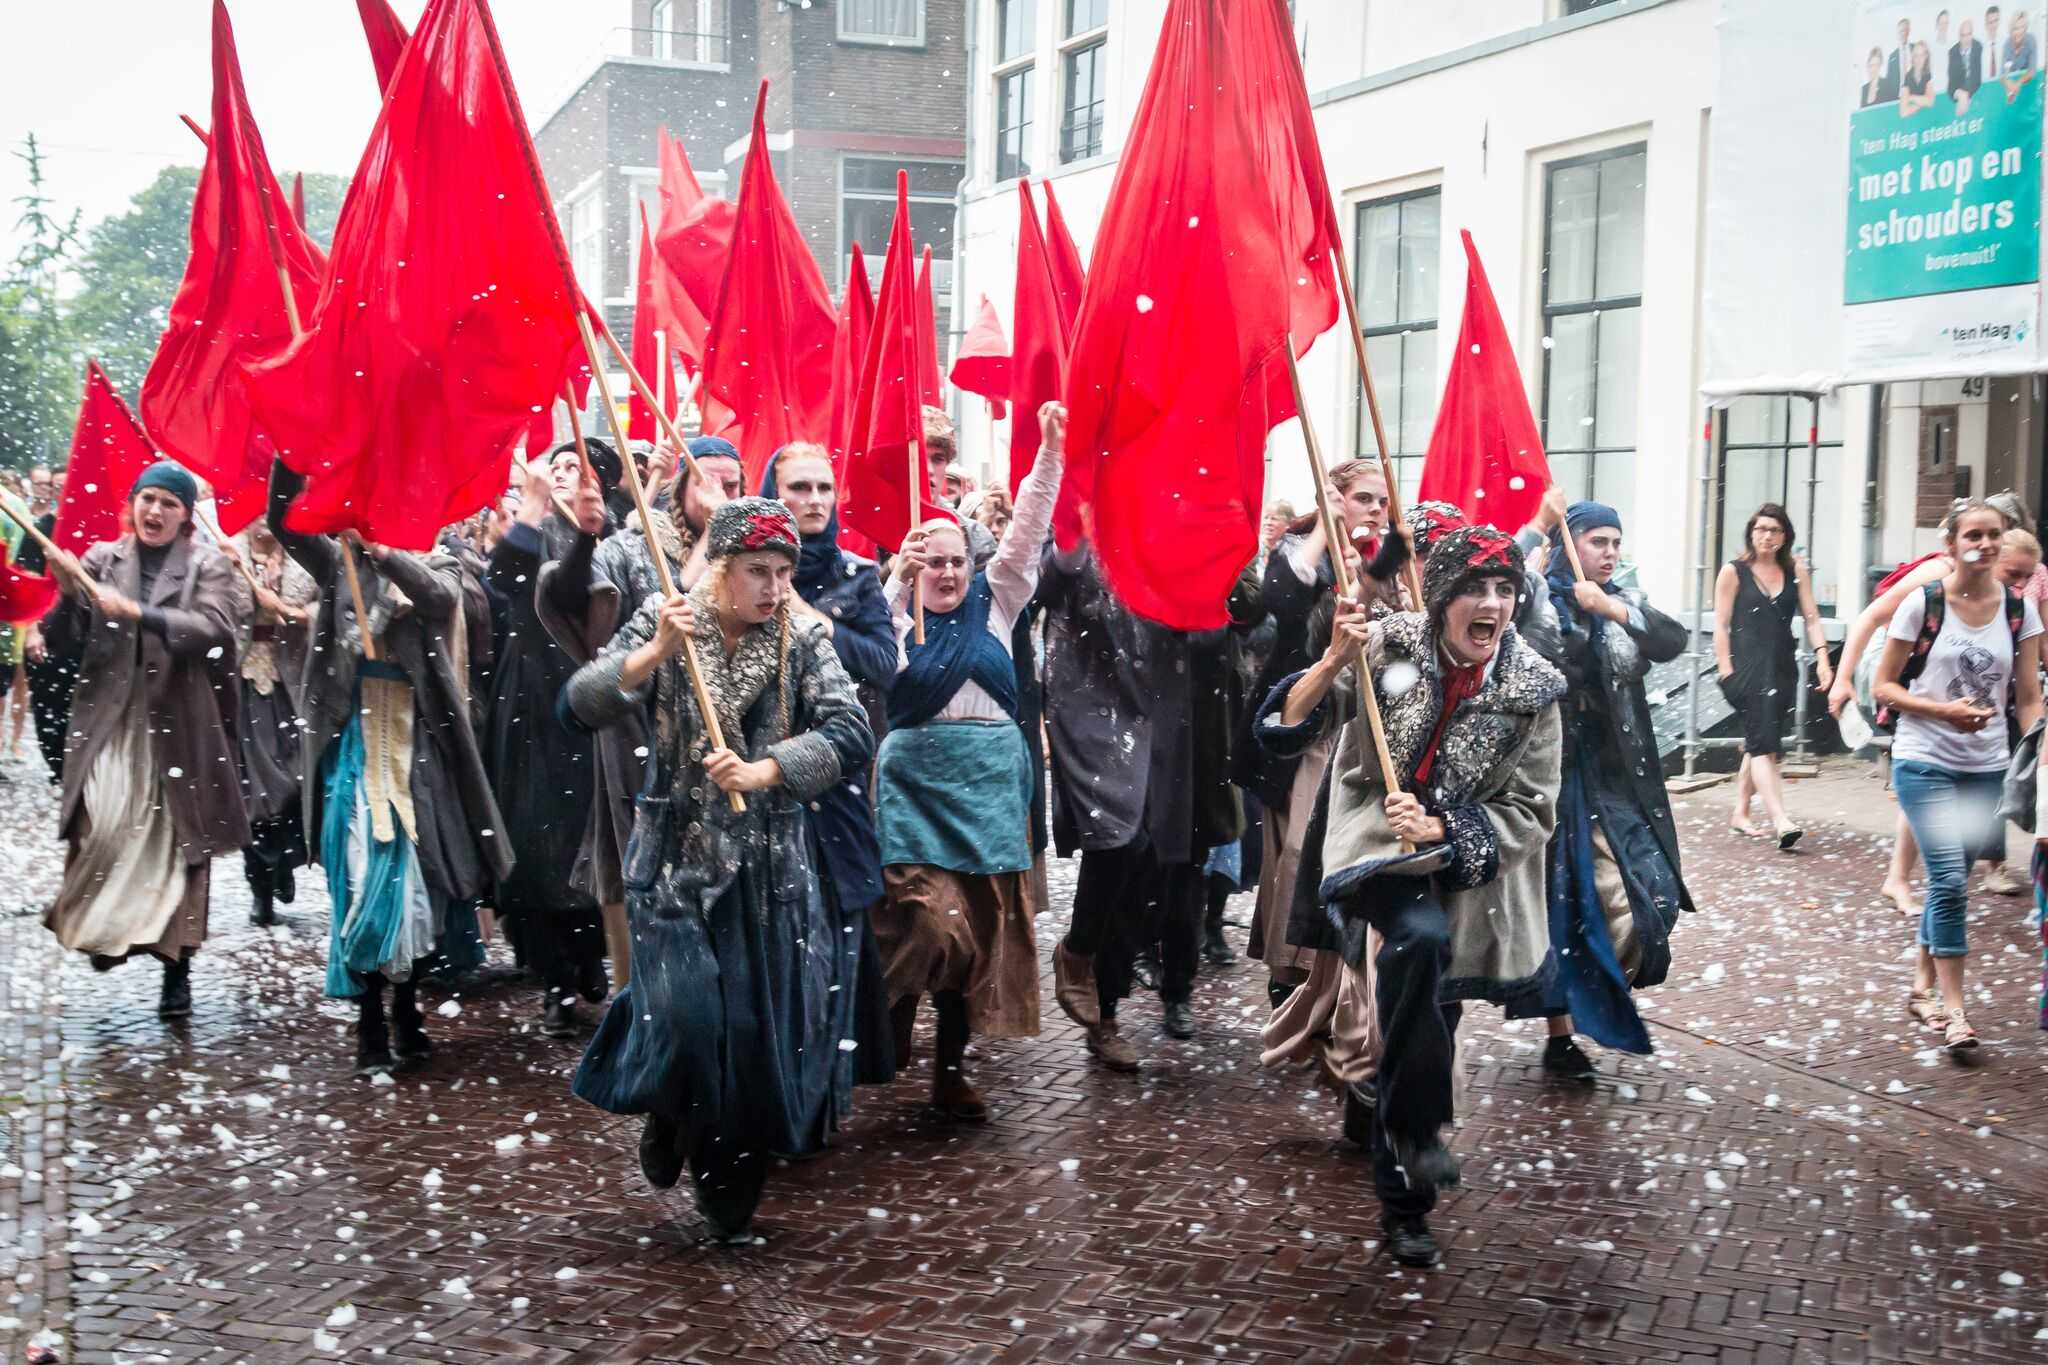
column 1957, row 655
column 1756, row 599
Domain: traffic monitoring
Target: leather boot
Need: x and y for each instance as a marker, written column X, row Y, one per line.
column 373, row 1038
column 1073, row 987
column 409, row 1041
column 176, row 1000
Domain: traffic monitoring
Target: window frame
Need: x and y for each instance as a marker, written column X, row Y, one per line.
column 590, row 194
column 1008, row 67
column 1071, row 46
column 882, row 39
column 941, row 265
column 1595, row 307
column 1367, row 443
column 1793, row 440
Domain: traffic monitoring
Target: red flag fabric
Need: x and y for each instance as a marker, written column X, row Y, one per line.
column 1038, row 357
column 983, row 364
column 768, row 358
column 1177, row 370
column 230, row 307
column 648, row 356
column 1069, row 280
column 24, row 596
column 888, row 425
column 449, row 315
column 1485, row 452
column 694, row 241
column 299, row 200
column 931, row 388
column 387, row 38
column 849, row 353
column 108, row 452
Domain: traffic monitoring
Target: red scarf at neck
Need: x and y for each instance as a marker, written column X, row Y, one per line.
column 1460, row 681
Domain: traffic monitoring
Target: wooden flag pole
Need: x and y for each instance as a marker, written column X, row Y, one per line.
column 1571, row 550
column 661, row 377
column 1366, row 691
column 713, row 731
column 1413, row 572
column 916, row 506
column 228, row 547
column 661, row 417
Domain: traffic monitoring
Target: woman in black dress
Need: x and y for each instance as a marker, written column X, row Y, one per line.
column 1755, row 600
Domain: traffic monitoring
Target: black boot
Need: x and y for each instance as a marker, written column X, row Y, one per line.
column 592, row 981
column 261, row 914
column 373, row 1039
column 1427, row 1162
column 1565, row 1059
column 952, row 1093
column 1179, row 1018
column 558, row 1015
column 1359, row 1103
column 661, row 1152
column 1216, row 950
column 282, row 885
column 176, row 1000
column 409, row 1042
column 1410, row 1242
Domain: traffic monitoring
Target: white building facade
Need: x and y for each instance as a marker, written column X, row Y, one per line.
column 1572, row 138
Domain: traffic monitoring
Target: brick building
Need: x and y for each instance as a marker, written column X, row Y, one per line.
column 857, row 89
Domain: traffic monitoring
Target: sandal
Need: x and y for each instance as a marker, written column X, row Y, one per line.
column 1961, row 1037
column 1788, row 836
column 1927, row 1008
column 1746, row 829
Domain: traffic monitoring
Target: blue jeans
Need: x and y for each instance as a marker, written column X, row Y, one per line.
column 1955, row 821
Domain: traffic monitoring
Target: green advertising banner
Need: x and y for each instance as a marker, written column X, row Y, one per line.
column 1942, row 200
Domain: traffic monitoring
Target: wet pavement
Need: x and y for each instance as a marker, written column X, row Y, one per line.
column 1794, row 1176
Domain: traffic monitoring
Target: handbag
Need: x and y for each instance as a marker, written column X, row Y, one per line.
column 2016, row 801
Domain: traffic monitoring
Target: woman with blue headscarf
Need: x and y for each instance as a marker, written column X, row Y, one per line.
column 1614, row 883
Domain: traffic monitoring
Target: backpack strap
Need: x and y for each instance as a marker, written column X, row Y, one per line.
column 1934, row 600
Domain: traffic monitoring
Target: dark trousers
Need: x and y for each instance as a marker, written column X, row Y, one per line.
column 565, row 946
column 1414, row 1083
column 50, row 685
column 275, row 848
column 1126, row 901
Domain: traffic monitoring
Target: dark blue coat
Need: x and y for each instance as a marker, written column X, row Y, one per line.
column 865, row 640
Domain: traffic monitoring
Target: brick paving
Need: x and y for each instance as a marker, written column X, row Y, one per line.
column 1791, row 1178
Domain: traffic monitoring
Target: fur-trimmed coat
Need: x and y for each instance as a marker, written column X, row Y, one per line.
column 1494, row 785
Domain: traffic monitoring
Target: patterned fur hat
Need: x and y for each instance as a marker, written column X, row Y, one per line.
column 752, row 524
column 1465, row 554
column 1430, row 521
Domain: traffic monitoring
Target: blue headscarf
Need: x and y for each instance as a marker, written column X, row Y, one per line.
column 819, row 562
column 1579, row 518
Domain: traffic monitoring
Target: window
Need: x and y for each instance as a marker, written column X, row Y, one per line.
column 1766, row 458
column 867, row 208
column 1571, row 7
column 891, row 22
column 690, row 30
column 586, row 239
column 1592, row 311
column 1084, row 71
column 1016, row 63
column 1400, row 242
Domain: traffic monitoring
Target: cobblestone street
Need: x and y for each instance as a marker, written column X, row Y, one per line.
column 1795, row 1176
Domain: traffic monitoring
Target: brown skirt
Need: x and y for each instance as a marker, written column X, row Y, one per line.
column 1280, row 839
column 949, row 931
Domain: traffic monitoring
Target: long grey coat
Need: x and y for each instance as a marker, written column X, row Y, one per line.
column 461, row 846
column 1494, row 785
column 190, row 683
column 1095, row 708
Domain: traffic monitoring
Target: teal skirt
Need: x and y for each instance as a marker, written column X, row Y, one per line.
column 955, row 794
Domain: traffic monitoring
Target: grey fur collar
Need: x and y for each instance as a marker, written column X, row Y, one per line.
column 1488, row 730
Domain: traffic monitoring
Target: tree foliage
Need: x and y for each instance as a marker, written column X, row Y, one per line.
column 38, row 365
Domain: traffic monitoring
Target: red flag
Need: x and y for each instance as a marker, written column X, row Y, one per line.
column 694, row 241
column 849, row 353
column 1485, row 453
column 931, row 389
column 108, row 452
column 768, row 359
column 449, row 315
column 983, row 364
column 1038, row 358
column 1069, row 280
column 24, row 596
column 229, row 310
column 1177, row 369
column 648, row 357
column 888, row 425
column 299, row 200
column 387, row 39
